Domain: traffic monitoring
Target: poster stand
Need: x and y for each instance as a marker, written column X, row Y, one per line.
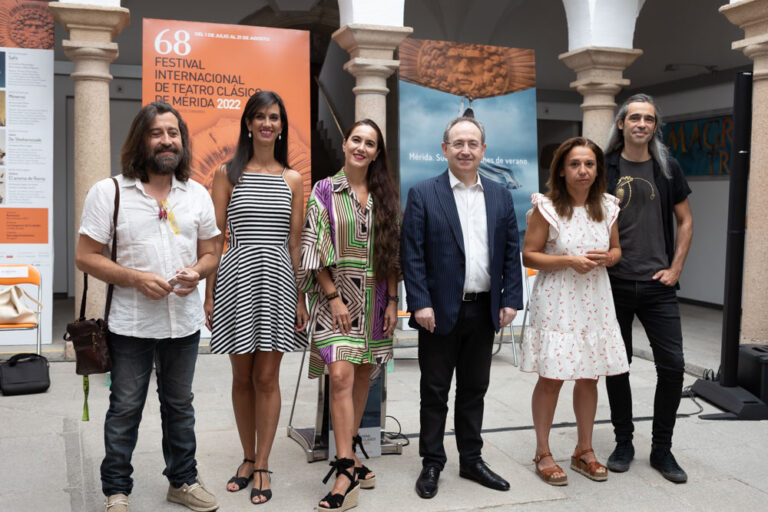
column 316, row 440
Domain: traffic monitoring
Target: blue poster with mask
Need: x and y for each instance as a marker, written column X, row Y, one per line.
column 439, row 80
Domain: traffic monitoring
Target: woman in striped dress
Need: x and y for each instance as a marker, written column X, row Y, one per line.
column 349, row 268
column 254, row 310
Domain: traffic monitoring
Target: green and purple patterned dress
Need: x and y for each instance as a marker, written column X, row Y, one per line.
column 338, row 235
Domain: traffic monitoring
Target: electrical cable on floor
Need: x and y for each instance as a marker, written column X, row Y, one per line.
column 392, row 436
column 687, row 393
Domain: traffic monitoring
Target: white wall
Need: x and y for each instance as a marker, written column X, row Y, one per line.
column 703, row 276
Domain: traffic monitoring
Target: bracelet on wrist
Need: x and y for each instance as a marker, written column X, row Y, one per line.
column 330, row 296
column 393, row 298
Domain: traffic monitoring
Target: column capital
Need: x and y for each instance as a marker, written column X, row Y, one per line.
column 91, row 59
column 371, row 48
column 371, row 74
column 600, row 65
column 370, row 41
column 90, row 22
column 599, row 77
column 752, row 17
column 381, row 68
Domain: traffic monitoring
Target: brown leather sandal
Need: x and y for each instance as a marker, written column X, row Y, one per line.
column 546, row 474
column 590, row 470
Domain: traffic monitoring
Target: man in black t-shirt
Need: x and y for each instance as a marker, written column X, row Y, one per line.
column 653, row 199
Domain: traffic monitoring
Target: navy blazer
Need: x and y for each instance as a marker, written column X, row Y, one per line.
column 433, row 258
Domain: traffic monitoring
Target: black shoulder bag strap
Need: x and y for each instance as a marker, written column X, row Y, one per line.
column 111, row 287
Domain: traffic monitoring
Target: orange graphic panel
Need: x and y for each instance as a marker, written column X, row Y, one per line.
column 208, row 71
column 23, row 225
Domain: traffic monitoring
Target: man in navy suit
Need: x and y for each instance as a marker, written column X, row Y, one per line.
column 462, row 274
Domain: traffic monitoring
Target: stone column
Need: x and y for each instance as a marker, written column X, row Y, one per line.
column 91, row 30
column 752, row 17
column 598, row 79
column 371, row 49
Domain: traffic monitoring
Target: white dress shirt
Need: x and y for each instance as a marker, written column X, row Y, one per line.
column 470, row 202
column 148, row 243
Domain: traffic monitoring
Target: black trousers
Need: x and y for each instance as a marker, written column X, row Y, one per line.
column 467, row 349
column 655, row 305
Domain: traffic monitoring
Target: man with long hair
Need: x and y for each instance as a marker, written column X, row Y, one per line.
column 461, row 267
column 166, row 242
column 653, row 199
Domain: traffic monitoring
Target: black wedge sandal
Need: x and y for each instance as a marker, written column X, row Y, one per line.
column 267, row 493
column 241, row 481
column 362, row 472
column 341, row 502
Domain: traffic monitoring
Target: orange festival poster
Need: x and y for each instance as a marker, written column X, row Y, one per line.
column 208, row 71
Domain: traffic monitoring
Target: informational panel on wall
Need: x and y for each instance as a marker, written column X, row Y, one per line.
column 26, row 149
column 702, row 146
column 208, row 71
column 439, row 80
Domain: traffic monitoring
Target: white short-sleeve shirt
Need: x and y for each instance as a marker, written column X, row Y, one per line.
column 148, row 243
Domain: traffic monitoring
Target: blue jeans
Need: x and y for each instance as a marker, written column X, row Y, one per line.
column 132, row 359
column 655, row 305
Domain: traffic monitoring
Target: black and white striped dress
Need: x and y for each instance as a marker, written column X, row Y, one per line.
column 255, row 294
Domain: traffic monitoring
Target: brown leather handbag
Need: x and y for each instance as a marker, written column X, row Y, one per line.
column 89, row 337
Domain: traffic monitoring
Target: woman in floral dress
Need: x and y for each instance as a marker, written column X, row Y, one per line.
column 571, row 238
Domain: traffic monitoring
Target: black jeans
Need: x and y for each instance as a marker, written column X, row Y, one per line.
column 467, row 349
column 655, row 305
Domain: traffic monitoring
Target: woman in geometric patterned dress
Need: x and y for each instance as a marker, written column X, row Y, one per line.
column 573, row 334
column 349, row 269
column 255, row 313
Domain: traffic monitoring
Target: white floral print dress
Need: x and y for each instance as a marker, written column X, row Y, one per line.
column 573, row 332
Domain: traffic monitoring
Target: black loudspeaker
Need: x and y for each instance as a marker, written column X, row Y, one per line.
column 729, row 394
column 753, row 370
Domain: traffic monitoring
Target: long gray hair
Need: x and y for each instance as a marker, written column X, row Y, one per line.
column 656, row 146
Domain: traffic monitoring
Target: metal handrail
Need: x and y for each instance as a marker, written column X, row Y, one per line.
column 330, row 106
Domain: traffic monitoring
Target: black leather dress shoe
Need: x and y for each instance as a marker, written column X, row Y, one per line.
column 481, row 473
column 426, row 485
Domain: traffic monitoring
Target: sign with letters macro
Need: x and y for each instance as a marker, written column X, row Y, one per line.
column 208, row 71
column 702, row 146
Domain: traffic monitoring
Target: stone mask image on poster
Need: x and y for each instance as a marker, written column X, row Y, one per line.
column 468, row 70
column 26, row 24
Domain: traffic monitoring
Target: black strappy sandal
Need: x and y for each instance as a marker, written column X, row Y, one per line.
column 267, row 493
column 341, row 502
column 363, row 471
column 241, row 481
